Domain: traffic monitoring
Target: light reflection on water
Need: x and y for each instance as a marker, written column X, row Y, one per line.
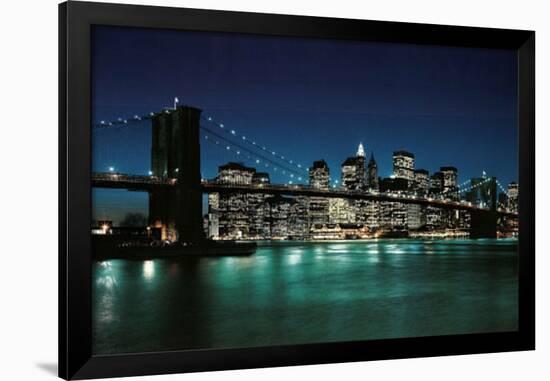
column 303, row 292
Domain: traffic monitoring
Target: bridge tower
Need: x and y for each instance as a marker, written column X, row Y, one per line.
column 483, row 223
column 175, row 153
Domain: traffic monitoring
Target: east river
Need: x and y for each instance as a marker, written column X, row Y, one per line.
column 306, row 292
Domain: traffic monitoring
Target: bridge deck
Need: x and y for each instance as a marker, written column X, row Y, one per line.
column 150, row 183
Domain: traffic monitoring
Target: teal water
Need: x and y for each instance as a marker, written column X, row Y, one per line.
column 306, row 292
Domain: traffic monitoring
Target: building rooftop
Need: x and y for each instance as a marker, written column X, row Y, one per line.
column 448, row 169
column 372, row 161
column 236, row 166
column 403, row 153
column 261, row 177
column 319, row 164
column 353, row 161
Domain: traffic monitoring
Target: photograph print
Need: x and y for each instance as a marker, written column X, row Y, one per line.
column 253, row 191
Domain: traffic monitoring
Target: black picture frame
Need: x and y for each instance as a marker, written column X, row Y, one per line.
column 75, row 257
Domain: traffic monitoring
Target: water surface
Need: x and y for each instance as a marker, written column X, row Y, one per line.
column 306, row 292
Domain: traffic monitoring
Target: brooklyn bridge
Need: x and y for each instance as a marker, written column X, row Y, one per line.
column 176, row 188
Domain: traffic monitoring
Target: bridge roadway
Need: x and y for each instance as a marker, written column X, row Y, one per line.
column 150, row 183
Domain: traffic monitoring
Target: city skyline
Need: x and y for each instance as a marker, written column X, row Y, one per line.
column 456, row 108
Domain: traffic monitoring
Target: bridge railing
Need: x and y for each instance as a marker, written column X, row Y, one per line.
column 135, row 179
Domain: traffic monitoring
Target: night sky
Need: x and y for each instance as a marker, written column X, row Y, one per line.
column 306, row 99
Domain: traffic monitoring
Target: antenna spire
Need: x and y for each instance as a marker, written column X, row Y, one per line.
column 361, row 150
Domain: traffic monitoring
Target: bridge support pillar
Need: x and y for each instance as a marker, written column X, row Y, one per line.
column 176, row 154
column 483, row 224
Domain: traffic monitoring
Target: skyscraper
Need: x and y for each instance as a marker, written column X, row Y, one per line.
column 450, row 185
column 354, row 177
column 233, row 209
column 436, row 183
column 403, row 165
column 319, row 175
column 318, row 209
column 341, row 211
column 421, row 182
column 354, row 173
column 421, row 186
column 393, row 215
column 279, row 213
column 372, row 173
column 258, row 210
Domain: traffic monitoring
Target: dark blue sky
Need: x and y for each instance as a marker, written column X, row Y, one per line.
column 306, row 99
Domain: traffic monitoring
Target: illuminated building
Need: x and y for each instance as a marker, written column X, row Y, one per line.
column 403, row 165
column 213, row 230
column 341, row 211
column 235, row 173
column 319, row 175
column 298, row 218
column 450, row 185
column 421, row 182
column 318, row 208
column 393, row 215
column 258, row 209
column 354, row 177
column 354, row 171
column 279, row 213
column 233, row 211
column 421, row 188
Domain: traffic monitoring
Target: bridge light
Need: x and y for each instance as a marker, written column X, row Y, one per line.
column 299, row 178
column 150, row 173
column 209, row 118
column 291, row 175
column 111, row 169
column 238, row 152
column 227, row 147
column 299, row 165
column 177, row 169
column 102, row 122
column 221, row 125
column 233, row 132
column 273, row 152
column 290, row 161
column 257, row 161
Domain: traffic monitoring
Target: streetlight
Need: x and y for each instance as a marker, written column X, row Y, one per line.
column 111, row 169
